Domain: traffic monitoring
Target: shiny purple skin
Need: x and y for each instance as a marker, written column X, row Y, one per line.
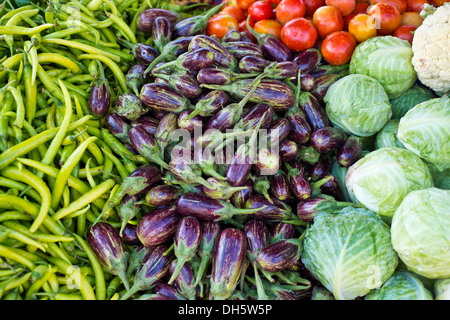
column 320, row 169
column 313, row 110
column 307, row 209
column 145, row 19
column 151, row 175
column 308, row 60
column 238, row 169
column 278, row 256
column 281, row 231
column 227, row 263
column 150, row 124
column 210, row 103
column 327, row 139
column 239, row 198
column 261, row 113
column 195, row 25
column 188, row 236
column 257, row 235
column 117, row 126
column 99, row 98
column 129, row 235
column 306, row 82
column 160, row 97
column 275, row 211
column 332, row 188
column 167, row 125
column 161, row 32
column 241, row 49
column 274, row 49
column 349, row 152
column 157, row 226
column 163, row 195
column 301, row 129
column 167, row 291
column 279, row 186
column 107, row 245
column 184, row 280
column 253, row 64
column 246, row 37
column 197, row 59
column 136, row 77
column 129, row 106
column 191, row 123
column 321, row 85
column 299, row 184
column 288, row 150
column 185, row 84
column 144, row 53
column 279, row 130
column 282, row 70
column 222, row 57
column 232, row 35
column 215, row 76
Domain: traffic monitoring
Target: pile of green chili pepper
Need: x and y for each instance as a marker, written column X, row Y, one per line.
column 59, row 167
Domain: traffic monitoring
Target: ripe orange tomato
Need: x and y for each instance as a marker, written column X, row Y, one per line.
column 411, row 18
column 362, row 27
column 387, row 18
column 345, row 6
column 337, row 48
column 244, row 4
column 312, row 5
column 400, row 5
column 220, row 24
column 405, row 32
column 290, row 9
column 416, row 5
column 327, row 19
column 234, row 11
column 268, row 26
column 361, row 7
column 299, row 34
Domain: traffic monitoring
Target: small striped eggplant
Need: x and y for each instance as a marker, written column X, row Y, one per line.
column 279, row 186
column 253, row 64
column 157, row 226
column 241, row 49
column 309, row 208
column 209, row 104
column 129, row 106
column 118, row 126
column 136, row 78
column 350, row 151
column 142, row 52
column 166, row 290
column 99, row 97
column 239, row 167
column 162, row 195
column 144, row 21
column 222, row 58
column 321, row 85
column 308, row 60
column 162, row 98
column 281, row 231
column 239, row 198
column 137, row 257
column 281, row 70
column 204, row 208
column 218, row 76
column 210, row 232
column 257, row 236
column 171, row 51
column 129, row 236
column 320, row 169
column 161, row 32
column 153, row 269
column 184, row 281
column 306, row 82
column 128, row 209
column 183, row 83
column 195, row 25
column 288, row 150
column 232, row 35
column 145, row 145
column 188, row 122
column 300, row 128
column 221, row 189
column 313, row 110
column 325, row 69
column 298, row 183
column 327, row 139
column 246, row 37
column 166, row 127
column 227, row 263
column 186, row 242
column 277, row 256
column 278, row 131
column 273, row 210
column 189, row 61
column 261, row 114
column 107, row 245
column 149, row 123
column 141, row 179
column 331, row 186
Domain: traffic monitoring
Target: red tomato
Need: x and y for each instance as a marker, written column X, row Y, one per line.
column 290, row 9
column 411, row 18
column 260, row 10
column 345, row 6
column 361, row 7
column 275, row 2
column 219, row 24
column 244, row 4
column 312, row 5
column 234, row 11
column 362, row 27
column 299, row 34
column 400, row 5
column 347, row 20
column 416, row 5
column 404, row 32
column 387, row 18
column 327, row 19
column 337, row 48
column 268, row 26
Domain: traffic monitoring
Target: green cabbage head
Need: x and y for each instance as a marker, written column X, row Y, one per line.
column 401, row 286
column 420, row 232
column 358, row 105
column 409, row 99
column 387, row 137
column 442, row 289
column 388, row 60
column 381, row 179
column 425, row 130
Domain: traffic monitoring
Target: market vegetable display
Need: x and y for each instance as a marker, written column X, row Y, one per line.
column 152, row 151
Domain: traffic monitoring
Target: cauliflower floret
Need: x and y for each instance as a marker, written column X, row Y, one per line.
column 431, row 47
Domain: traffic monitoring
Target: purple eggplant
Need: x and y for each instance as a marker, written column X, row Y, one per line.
column 188, row 122
column 239, row 167
column 189, row 61
column 288, row 150
column 257, row 235
column 183, row 83
column 149, row 123
column 320, row 169
column 313, row 110
column 325, row 69
column 299, row 184
column 327, row 139
column 129, row 236
column 281, row 70
column 253, row 64
column 204, row 208
column 145, row 19
column 160, row 97
column 309, row 208
column 107, row 245
column 129, row 106
column 117, row 126
column 157, row 226
column 261, row 114
column 306, row 82
column 137, row 257
column 142, row 52
column 279, row 186
column 278, row 131
column 222, row 58
column 171, row 51
column 273, row 48
column 162, row 195
column 321, row 85
column 350, row 151
column 331, row 187
column 273, row 210
column 141, row 179
column 161, row 32
column 209, row 104
column 279, row 255
column 210, row 232
column 221, row 189
column 163, row 291
column 232, row 35
column 300, row 127
column 239, row 198
column 241, row 49
column 308, row 60
column 184, row 280
column 146, row 146
column 99, row 97
column 187, row 240
column 136, row 78
column 196, row 24
column 153, row 269
column 227, row 263
column 215, row 76
column 281, row 231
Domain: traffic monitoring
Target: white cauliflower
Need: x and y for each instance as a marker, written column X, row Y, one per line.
column 431, row 48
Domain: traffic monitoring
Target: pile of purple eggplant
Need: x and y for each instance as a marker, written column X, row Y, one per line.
column 197, row 226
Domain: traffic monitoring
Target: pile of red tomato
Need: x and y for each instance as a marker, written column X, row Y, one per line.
column 333, row 26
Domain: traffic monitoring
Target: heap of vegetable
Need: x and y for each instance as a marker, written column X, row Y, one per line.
column 133, row 164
